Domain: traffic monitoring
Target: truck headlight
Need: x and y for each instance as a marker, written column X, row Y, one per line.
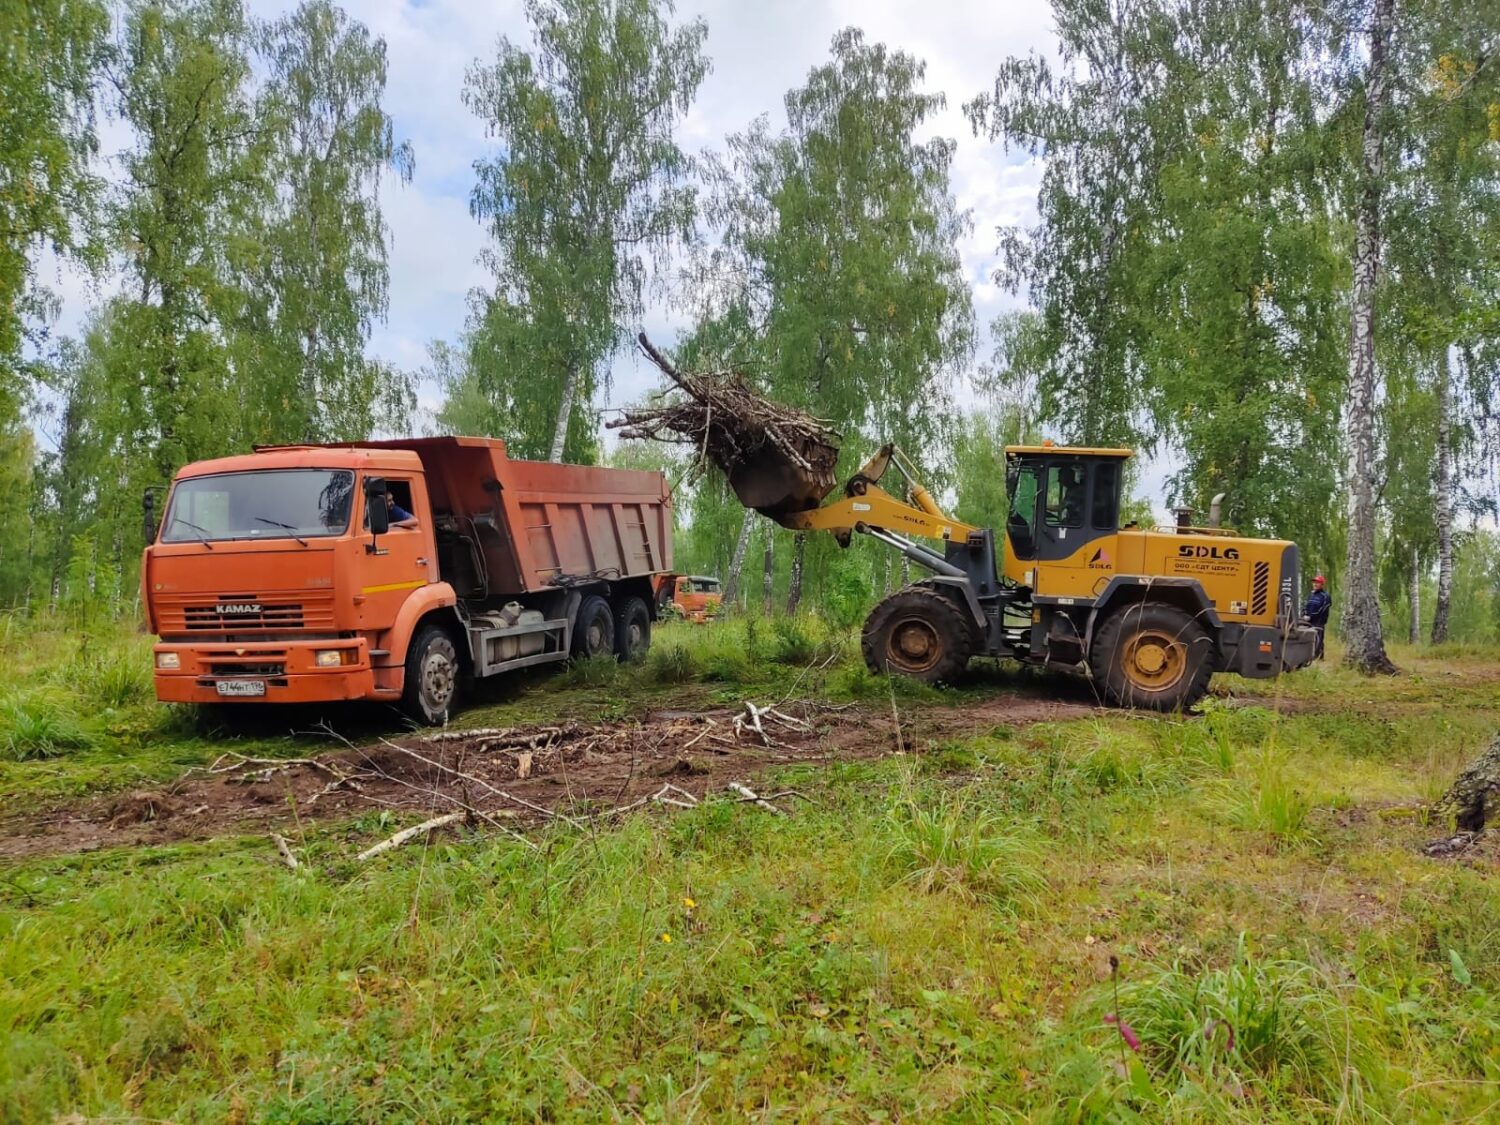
column 168, row 661
column 327, row 658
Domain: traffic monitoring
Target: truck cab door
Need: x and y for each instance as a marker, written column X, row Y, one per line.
column 401, row 560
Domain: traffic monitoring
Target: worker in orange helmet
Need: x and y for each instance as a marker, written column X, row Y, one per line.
column 1316, row 611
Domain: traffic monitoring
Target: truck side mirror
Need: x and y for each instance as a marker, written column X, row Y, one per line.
column 148, row 515
column 376, row 514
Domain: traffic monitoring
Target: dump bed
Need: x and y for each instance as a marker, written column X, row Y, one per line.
column 535, row 525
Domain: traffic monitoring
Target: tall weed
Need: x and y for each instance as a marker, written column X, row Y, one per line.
column 1280, row 1023
column 39, row 725
column 954, row 845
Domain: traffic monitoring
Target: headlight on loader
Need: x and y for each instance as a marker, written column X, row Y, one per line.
column 327, row 658
column 168, row 661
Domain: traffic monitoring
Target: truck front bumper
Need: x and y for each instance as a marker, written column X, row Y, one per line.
column 264, row 672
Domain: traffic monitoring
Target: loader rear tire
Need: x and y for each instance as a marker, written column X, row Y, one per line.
column 1152, row 655
column 918, row 633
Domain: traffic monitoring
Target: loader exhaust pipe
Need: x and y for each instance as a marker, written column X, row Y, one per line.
column 1215, row 510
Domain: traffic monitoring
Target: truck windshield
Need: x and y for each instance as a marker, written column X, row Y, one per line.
column 277, row 504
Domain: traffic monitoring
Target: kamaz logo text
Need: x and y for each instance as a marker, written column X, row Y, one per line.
column 237, row 608
column 1188, row 551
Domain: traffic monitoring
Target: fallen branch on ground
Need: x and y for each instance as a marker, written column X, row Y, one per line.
column 286, row 850
column 485, row 785
column 753, row 797
column 410, row 834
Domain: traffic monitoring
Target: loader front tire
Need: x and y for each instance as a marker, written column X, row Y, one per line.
column 918, row 633
column 1151, row 655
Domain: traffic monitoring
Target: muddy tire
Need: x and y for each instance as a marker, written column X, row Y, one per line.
column 1151, row 655
column 594, row 628
column 919, row 633
column 434, row 673
column 632, row 630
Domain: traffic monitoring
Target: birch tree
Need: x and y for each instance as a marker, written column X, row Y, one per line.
column 587, row 188
column 316, row 272
column 51, row 54
column 1360, row 621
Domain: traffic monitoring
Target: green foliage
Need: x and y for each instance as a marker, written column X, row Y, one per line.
column 588, row 182
column 1281, row 1026
column 951, row 844
column 54, row 51
column 38, row 725
column 316, row 255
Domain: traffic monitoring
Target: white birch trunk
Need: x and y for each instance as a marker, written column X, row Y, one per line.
column 737, row 563
column 564, row 414
column 1360, row 621
column 768, row 573
column 1445, row 489
column 1414, row 596
column 794, row 591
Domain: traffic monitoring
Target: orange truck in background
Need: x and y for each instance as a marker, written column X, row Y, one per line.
column 396, row 571
column 692, row 596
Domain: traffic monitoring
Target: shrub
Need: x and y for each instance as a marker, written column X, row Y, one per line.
column 113, row 678
column 950, row 845
column 38, row 726
column 794, row 642
column 1274, row 805
column 599, row 670
column 671, row 664
column 1283, row 1023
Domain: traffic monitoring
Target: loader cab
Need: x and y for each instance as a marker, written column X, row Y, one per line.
column 1063, row 502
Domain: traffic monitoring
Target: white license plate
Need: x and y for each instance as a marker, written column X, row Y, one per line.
column 241, row 687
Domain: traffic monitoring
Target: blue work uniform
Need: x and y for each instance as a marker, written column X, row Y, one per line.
column 1316, row 611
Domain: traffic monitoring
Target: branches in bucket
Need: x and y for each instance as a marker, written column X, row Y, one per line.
column 777, row 459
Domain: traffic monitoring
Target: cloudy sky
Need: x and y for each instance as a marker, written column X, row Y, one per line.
column 759, row 50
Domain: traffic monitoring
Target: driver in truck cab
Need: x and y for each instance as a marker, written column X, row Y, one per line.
column 399, row 516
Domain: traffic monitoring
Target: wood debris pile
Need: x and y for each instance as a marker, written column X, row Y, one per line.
column 778, row 460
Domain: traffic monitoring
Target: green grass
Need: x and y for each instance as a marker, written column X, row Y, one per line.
column 928, row 938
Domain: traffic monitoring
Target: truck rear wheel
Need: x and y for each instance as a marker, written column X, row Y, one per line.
column 1152, row 655
column 632, row 630
column 433, row 675
column 594, row 629
column 918, row 633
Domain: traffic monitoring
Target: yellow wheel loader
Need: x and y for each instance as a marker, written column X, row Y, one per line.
column 1152, row 612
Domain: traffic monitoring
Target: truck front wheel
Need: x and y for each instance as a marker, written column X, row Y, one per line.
column 1152, row 655
column 433, row 672
column 918, row 633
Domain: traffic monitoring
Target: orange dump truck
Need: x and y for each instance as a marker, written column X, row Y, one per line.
column 695, row 597
column 396, row 571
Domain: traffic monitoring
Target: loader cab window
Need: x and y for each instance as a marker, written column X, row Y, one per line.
column 1023, row 486
column 1067, row 485
column 1106, row 507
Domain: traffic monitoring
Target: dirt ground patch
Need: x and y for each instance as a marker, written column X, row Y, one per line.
column 517, row 775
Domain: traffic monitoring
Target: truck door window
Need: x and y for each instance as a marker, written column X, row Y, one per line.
column 400, row 491
column 1065, row 495
column 1106, row 513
